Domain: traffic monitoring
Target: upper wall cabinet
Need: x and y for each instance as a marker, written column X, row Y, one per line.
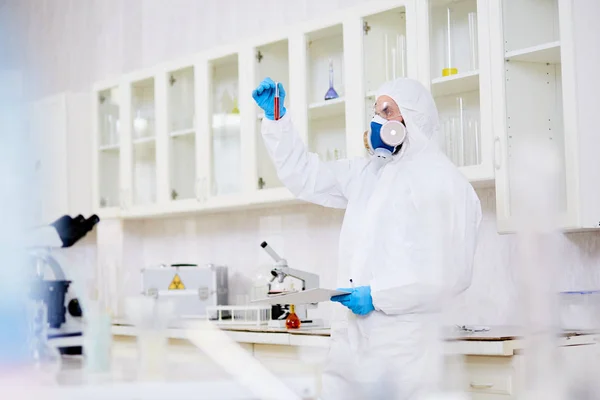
column 543, row 145
column 185, row 136
column 460, row 84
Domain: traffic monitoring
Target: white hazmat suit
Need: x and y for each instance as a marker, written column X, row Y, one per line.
column 409, row 232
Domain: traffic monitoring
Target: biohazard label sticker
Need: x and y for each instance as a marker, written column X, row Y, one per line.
column 176, row 283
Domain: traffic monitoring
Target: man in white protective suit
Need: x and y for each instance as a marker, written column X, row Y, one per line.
column 406, row 245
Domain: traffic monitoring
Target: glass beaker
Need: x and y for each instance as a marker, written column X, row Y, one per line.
column 151, row 317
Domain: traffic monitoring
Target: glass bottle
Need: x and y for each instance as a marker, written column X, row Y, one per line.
column 331, row 93
column 292, row 321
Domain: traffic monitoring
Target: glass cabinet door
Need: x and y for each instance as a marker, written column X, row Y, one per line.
column 384, row 44
column 109, row 149
column 143, row 111
column 225, row 127
column 455, row 79
column 326, row 90
column 181, row 124
column 384, row 53
column 272, row 60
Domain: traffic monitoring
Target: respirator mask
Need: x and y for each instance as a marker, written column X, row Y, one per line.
column 385, row 136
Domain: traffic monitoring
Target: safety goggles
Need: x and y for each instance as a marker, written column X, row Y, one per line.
column 386, row 110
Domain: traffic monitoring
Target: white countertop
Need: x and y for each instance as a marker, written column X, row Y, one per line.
column 498, row 341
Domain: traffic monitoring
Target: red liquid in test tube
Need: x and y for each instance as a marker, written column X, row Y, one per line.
column 276, row 101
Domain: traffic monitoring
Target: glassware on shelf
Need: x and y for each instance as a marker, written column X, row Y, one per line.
column 472, row 155
column 401, row 55
column 452, row 144
column 331, row 93
column 473, row 49
column 449, row 69
column 460, row 131
column 394, row 57
column 235, row 109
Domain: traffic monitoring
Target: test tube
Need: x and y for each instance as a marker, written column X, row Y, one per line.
column 385, row 55
column 276, row 101
column 473, row 141
column 393, row 50
column 401, row 52
column 474, row 51
column 449, row 69
column 460, row 131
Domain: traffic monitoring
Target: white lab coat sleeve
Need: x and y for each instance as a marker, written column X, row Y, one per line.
column 428, row 252
column 302, row 172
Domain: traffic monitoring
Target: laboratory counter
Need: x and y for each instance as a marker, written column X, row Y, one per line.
column 497, row 341
column 488, row 365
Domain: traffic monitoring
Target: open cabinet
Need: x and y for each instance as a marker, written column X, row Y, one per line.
column 542, row 150
column 326, row 93
column 460, row 84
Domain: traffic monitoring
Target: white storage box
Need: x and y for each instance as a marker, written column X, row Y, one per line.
column 580, row 310
column 190, row 287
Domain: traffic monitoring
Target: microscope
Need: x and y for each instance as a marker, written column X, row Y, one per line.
column 57, row 315
column 280, row 271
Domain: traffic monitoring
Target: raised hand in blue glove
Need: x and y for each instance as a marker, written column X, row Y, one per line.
column 359, row 300
column 264, row 96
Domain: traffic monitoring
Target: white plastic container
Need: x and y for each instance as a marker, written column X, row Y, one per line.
column 256, row 315
column 580, row 310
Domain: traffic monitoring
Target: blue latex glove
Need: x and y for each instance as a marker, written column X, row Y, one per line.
column 359, row 299
column 264, row 95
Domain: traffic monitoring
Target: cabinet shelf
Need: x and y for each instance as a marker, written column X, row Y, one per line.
column 144, row 140
column 182, row 132
column 544, row 53
column 110, row 147
column 459, row 83
column 327, row 108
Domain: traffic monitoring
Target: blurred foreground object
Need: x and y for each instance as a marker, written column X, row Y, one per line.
column 51, row 318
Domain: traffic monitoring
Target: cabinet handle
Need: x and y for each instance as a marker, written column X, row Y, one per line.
column 476, row 385
column 497, row 153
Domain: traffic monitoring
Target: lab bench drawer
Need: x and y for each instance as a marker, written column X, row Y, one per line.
column 490, row 377
column 482, row 377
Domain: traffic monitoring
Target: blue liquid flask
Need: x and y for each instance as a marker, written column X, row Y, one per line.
column 331, row 93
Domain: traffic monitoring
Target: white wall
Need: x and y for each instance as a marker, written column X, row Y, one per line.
column 72, row 43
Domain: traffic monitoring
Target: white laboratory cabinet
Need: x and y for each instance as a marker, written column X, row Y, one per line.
column 60, row 130
column 184, row 136
column 544, row 83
